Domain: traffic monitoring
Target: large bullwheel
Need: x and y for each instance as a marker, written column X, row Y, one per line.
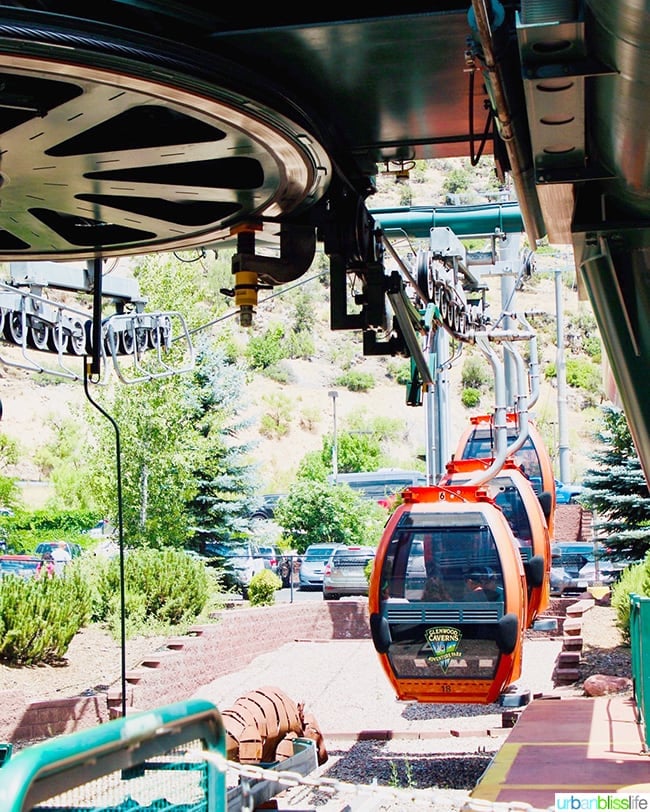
column 130, row 144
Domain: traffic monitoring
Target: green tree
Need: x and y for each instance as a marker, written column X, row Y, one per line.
column 355, row 452
column 315, row 512
column 175, row 282
column 225, row 477
column 9, row 455
column 63, row 461
column 181, row 466
column 616, row 489
column 276, row 420
column 313, row 466
column 158, row 451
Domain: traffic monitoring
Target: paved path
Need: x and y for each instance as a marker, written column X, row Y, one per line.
column 342, row 683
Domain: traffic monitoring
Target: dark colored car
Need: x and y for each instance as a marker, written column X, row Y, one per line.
column 267, row 509
column 48, row 546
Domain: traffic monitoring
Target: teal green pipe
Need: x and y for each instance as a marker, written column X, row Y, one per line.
column 464, row 221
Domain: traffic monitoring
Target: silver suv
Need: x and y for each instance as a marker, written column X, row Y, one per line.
column 345, row 572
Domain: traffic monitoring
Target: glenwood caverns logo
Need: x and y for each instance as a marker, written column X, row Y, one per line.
column 444, row 642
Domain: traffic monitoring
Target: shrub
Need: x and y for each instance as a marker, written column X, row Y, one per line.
column 356, row 381
column 470, row 397
column 265, row 350
column 399, row 371
column 280, row 373
column 40, row 616
column 163, row 587
column 634, row 580
column 276, row 420
column 475, row 373
column 262, row 588
column 580, row 374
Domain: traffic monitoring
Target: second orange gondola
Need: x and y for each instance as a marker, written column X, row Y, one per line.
column 447, row 597
column 477, row 442
column 514, row 494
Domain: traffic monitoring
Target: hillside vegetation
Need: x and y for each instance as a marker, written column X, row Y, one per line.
column 289, row 403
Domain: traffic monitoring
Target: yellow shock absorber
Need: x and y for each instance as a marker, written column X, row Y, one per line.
column 246, row 296
column 246, row 281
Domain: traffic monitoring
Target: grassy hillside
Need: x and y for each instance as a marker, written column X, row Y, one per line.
column 291, row 408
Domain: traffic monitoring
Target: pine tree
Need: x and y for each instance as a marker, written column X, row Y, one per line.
column 617, row 491
column 224, row 475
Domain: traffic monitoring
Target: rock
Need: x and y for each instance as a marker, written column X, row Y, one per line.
column 603, row 684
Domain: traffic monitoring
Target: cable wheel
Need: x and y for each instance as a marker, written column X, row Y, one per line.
column 107, row 157
column 424, row 276
column 444, row 306
column 14, row 328
column 38, row 333
column 58, row 339
column 451, row 318
column 160, row 334
column 126, row 342
column 76, row 339
column 456, row 317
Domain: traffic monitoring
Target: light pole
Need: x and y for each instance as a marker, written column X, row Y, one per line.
column 335, row 450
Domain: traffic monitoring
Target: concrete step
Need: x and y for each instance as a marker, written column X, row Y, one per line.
column 565, row 676
column 572, row 642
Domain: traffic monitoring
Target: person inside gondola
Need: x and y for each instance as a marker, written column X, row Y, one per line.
column 492, row 590
column 435, row 590
column 473, row 587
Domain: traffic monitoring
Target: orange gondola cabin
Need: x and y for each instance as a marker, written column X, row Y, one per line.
column 478, row 440
column 514, row 494
column 447, row 597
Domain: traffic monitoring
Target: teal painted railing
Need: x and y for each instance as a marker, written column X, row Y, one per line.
column 640, row 643
column 148, row 760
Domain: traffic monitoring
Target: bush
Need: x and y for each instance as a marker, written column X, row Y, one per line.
column 580, row 374
column 40, row 616
column 634, row 580
column 470, row 397
column 266, row 350
column 163, row 587
column 475, row 373
column 262, row 588
column 356, row 381
column 399, row 371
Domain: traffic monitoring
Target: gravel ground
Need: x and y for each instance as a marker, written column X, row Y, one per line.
column 422, row 766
